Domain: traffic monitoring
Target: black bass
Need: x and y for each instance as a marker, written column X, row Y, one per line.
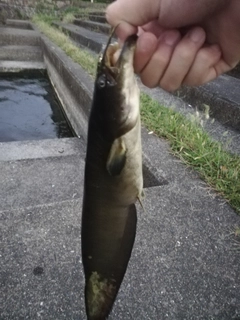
column 113, row 179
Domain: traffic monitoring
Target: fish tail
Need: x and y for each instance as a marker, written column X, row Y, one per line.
column 100, row 290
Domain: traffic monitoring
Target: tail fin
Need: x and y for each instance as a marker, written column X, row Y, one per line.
column 104, row 274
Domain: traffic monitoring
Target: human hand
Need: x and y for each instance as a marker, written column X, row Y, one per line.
column 180, row 41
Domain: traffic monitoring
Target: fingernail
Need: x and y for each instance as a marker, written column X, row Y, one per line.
column 196, row 35
column 170, row 38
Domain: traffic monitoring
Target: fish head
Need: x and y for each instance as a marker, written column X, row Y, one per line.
column 116, row 89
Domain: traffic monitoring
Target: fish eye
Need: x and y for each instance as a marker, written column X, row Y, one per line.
column 101, row 81
column 110, row 81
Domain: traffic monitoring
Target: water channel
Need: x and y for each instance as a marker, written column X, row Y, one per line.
column 29, row 110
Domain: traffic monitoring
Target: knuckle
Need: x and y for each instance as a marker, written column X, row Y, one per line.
column 203, row 56
column 185, row 54
column 148, row 81
column 168, row 86
column 189, row 81
column 162, row 61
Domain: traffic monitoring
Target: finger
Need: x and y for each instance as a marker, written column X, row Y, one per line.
column 154, row 70
column 153, row 27
column 133, row 12
column 145, row 47
column 206, row 66
column 182, row 59
column 124, row 29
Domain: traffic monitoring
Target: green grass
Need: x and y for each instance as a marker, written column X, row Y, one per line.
column 188, row 141
column 77, row 8
column 82, row 57
column 68, row 17
column 237, row 232
column 82, row 12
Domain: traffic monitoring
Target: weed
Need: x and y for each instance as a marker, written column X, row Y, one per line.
column 68, row 18
column 194, row 147
column 83, row 57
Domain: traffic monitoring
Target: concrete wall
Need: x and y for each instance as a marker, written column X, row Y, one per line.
column 33, row 3
column 72, row 85
column 18, row 9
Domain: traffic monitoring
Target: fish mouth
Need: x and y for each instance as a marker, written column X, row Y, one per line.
column 127, row 51
column 114, row 56
column 117, row 87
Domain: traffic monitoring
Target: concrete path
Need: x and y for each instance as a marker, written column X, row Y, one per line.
column 185, row 262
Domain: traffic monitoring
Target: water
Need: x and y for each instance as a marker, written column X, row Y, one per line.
column 29, row 110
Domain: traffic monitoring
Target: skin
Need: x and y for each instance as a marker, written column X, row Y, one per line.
column 181, row 42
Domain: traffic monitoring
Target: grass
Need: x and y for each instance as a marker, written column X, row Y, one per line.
column 68, row 17
column 82, row 12
column 77, row 8
column 237, row 232
column 82, row 57
column 189, row 142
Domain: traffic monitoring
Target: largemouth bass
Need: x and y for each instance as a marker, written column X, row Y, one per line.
column 113, row 179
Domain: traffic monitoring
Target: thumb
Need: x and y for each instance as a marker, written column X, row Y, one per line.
column 134, row 12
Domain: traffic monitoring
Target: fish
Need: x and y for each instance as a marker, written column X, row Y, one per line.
column 113, row 178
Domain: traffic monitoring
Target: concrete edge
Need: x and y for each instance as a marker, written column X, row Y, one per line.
column 80, row 38
column 36, row 149
column 21, row 67
column 100, row 19
column 23, row 24
column 21, row 53
column 93, row 26
column 226, row 112
column 75, row 88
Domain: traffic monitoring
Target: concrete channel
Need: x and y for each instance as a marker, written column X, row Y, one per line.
column 185, row 261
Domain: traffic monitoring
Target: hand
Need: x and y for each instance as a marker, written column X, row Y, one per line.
column 180, row 41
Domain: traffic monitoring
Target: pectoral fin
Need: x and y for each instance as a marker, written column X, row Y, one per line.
column 117, row 157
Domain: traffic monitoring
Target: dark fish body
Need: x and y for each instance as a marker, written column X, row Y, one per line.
column 113, row 180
